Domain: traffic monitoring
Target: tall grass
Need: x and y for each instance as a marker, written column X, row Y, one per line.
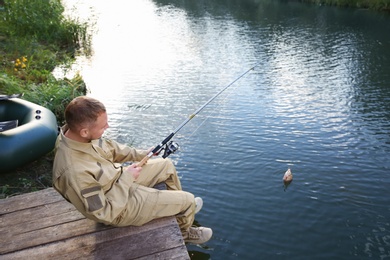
column 44, row 21
column 53, row 94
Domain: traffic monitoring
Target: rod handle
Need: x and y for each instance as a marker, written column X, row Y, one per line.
column 143, row 161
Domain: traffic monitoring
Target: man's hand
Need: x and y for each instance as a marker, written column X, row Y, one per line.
column 134, row 170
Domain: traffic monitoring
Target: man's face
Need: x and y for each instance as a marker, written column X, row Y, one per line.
column 96, row 130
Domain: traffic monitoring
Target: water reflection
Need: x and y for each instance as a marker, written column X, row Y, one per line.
column 318, row 102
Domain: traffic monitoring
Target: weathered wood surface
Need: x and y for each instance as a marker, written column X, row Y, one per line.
column 42, row 225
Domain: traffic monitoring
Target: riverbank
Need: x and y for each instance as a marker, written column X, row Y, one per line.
column 378, row 5
column 35, row 38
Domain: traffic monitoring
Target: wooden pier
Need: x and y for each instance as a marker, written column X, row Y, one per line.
column 43, row 225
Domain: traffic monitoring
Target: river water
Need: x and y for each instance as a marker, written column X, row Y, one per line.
column 318, row 102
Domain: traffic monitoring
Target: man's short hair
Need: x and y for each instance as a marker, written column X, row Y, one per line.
column 83, row 111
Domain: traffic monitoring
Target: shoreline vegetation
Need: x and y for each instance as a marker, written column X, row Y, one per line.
column 35, row 38
column 376, row 5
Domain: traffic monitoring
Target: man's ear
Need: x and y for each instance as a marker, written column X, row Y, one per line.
column 84, row 132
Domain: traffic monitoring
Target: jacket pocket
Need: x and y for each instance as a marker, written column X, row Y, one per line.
column 92, row 197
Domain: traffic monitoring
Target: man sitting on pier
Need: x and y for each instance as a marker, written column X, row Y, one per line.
column 88, row 171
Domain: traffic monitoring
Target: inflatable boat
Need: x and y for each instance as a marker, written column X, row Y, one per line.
column 27, row 132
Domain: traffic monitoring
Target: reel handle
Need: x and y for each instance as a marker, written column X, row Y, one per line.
column 169, row 148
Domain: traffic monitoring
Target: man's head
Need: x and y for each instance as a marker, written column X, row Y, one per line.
column 86, row 117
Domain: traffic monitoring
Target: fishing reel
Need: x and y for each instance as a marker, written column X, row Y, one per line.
column 170, row 147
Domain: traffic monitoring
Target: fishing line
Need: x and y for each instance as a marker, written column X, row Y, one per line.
column 169, row 146
column 211, row 114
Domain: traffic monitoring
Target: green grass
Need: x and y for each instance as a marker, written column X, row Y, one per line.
column 43, row 21
column 35, row 38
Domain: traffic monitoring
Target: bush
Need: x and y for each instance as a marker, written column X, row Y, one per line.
column 44, row 21
column 37, row 39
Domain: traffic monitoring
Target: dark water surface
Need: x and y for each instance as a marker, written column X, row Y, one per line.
column 318, row 102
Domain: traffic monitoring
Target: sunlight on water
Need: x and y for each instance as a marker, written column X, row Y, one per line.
column 138, row 54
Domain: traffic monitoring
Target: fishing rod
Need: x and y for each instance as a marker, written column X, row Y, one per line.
column 171, row 147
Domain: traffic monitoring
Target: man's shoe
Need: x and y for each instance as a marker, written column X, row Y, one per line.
column 198, row 235
column 199, row 204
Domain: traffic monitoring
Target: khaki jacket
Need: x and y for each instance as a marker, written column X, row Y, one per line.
column 92, row 178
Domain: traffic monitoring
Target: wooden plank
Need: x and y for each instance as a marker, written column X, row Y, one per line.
column 125, row 243
column 29, row 200
column 20, row 240
column 17, row 239
column 37, row 213
column 43, row 225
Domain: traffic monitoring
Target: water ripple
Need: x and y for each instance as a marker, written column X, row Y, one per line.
column 318, row 103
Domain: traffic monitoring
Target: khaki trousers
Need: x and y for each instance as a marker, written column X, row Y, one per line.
column 146, row 204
